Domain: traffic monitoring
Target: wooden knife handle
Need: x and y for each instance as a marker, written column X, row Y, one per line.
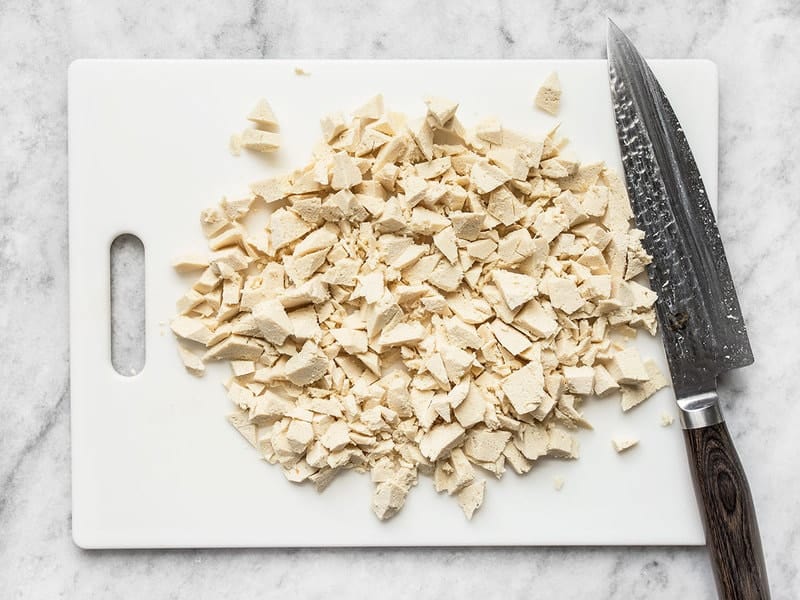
column 729, row 517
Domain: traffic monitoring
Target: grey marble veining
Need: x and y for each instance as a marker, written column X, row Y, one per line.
column 757, row 49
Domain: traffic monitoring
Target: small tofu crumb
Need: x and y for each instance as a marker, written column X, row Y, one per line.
column 548, row 98
column 260, row 141
column 235, row 144
column 262, row 114
column 471, row 497
column 301, row 71
column 667, row 419
column 633, row 395
column 192, row 362
column 186, row 263
column 621, row 444
column 558, row 483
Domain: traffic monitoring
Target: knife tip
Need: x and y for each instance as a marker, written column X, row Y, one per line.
column 613, row 31
column 616, row 40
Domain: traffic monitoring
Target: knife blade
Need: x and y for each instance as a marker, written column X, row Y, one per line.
column 701, row 321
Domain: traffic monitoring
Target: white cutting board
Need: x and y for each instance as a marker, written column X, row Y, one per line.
column 154, row 462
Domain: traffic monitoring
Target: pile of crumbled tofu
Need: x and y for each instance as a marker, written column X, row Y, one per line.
column 425, row 299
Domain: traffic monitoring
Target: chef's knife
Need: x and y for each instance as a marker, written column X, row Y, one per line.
column 701, row 322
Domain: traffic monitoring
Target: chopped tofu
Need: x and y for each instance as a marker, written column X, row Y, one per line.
column 332, row 125
column 272, row 321
column 424, row 299
column 271, row 190
column 483, row 445
column 509, row 338
column 564, row 295
column 579, row 380
column 235, row 144
column 603, row 381
column 471, row 409
column 260, row 141
column 467, row 226
column 561, row 444
column 336, row 436
column 388, row 498
column 345, row 173
column 299, row 435
column 471, row 497
column 536, row 321
column 189, row 262
column 486, row 177
column 427, row 222
column 548, row 98
column 504, row 206
column 371, row 110
column 515, row 288
column 445, row 241
column 352, row 341
column 286, row 227
column 242, row 424
column 667, row 419
column 235, row 347
column 490, row 130
column 191, row 329
column 262, row 114
column 192, row 362
column 403, row 334
column 461, row 334
column 422, row 134
column 633, row 395
column 307, row 366
column 441, row 110
column 623, row 443
column 524, row 389
column 437, row 442
column 627, row 367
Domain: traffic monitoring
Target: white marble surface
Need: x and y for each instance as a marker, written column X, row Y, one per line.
column 757, row 49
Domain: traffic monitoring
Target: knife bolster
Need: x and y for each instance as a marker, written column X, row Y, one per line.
column 700, row 410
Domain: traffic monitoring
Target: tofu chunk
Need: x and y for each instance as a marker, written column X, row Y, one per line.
column 627, row 367
column 564, row 295
column 524, row 389
column 273, row 322
column 260, row 141
column 262, row 114
column 633, row 395
column 437, row 442
column 485, row 446
column 621, row 444
column 515, row 288
column 307, row 366
column 485, row 177
column 580, row 380
column 471, row 497
column 548, row 97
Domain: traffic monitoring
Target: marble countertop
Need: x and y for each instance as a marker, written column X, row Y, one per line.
column 757, row 50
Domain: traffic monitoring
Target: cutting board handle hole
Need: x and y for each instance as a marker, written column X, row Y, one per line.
column 127, row 305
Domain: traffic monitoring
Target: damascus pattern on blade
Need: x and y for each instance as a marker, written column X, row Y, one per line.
column 701, row 321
